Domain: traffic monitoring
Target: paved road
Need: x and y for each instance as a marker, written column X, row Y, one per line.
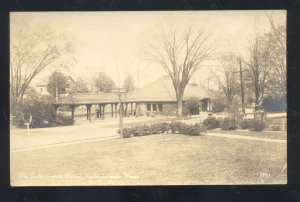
column 96, row 131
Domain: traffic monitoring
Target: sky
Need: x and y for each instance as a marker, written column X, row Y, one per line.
column 112, row 42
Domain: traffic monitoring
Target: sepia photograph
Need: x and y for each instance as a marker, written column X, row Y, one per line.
column 122, row 98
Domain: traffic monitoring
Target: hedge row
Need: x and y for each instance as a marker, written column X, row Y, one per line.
column 158, row 128
column 230, row 123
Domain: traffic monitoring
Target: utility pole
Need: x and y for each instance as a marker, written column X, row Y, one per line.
column 119, row 93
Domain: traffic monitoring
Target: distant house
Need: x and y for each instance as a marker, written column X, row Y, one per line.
column 156, row 98
column 41, row 87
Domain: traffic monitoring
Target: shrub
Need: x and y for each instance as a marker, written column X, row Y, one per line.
column 211, row 123
column 257, row 125
column 244, row 124
column 218, row 106
column 43, row 115
column 191, row 105
column 276, row 128
column 62, row 120
column 229, row 123
column 127, row 132
column 19, row 120
column 175, row 127
column 185, row 111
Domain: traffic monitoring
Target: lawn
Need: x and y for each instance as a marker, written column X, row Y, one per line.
column 165, row 159
column 281, row 135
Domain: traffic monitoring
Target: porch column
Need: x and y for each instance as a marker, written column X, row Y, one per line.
column 56, row 109
column 73, row 111
column 131, row 110
column 135, row 109
column 126, row 105
column 112, row 110
column 208, row 103
column 103, row 113
column 87, row 112
column 151, row 107
column 97, row 111
column 100, row 111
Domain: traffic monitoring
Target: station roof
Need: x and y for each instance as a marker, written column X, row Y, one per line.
column 160, row 90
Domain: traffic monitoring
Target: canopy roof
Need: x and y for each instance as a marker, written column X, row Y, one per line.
column 160, row 90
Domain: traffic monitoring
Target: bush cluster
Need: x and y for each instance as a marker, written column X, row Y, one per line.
column 218, row 106
column 174, row 127
column 244, row 124
column 229, row 123
column 43, row 115
column 253, row 125
column 211, row 123
column 257, row 125
column 191, row 106
column 62, row 120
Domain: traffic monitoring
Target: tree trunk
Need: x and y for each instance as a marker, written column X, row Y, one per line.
column 179, row 106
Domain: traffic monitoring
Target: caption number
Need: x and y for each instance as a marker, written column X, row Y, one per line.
column 265, row 175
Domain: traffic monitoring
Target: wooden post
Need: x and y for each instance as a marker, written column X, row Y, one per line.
column 126, row 105
column 100, row 111
column 73, row 111
column 103, row 113
column 87, row 112
column 131, row 110
column 56, row 109
column 112, row 110
column 135, row 109
column 207, row 104
column 116, row 110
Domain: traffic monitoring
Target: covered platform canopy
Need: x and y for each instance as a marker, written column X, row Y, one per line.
column 159, row 91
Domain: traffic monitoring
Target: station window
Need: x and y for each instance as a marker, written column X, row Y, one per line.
column 160, row 107
column 154, row 107
column 148, row 107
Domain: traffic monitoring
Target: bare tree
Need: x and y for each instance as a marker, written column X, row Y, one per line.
column 128, row 83
column 33, row 49
column 277, row 45
column 258, row 67
column 227, row 78
column 180, row 54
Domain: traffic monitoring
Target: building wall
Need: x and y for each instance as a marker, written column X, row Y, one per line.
column 168, row 109
column 141, row 109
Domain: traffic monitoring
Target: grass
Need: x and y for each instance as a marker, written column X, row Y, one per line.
column 281, row 135
column 152, row 160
